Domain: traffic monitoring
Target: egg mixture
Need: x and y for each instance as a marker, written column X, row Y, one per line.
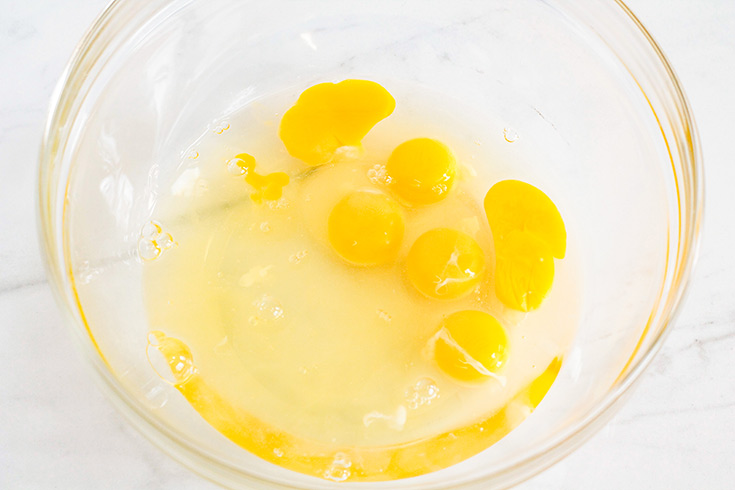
column 353, row 303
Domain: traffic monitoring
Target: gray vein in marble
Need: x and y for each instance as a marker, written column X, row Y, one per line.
column 25, row 284
column 675, row 412
column 433, row 30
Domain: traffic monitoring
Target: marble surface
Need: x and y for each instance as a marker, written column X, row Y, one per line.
column 57, row 430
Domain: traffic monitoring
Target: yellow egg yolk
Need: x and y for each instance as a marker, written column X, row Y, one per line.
column 513, row 205
column 328, row 116
column 540, row 386
column 471, row 346
column 366, row 228
column 267, row 187
column 445, row 263
column 524, row 271
column 421, row 171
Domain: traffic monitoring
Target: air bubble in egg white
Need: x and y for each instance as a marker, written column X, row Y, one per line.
column 378, row 175
column 384, row 315
column 422, row 393
column 152, row 241
column 236, row 167
column 269, row 308
column 298, row 256
column 510, row 135
column 170, row 358
column 339, row 470
column 151, row 230
column 221, row 128
column 147, row 250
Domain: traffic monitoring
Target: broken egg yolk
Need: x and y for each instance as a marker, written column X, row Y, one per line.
column 421, row 171
column 329, row 116
column 512, row 205
column 524, row 271
column 268, row 187
column 366, row 228
column 471, row 346
column 445, row 263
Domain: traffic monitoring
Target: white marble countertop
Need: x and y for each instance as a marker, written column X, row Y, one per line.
column 57, row 431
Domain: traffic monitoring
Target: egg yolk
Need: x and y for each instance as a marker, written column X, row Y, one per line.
column 540, row 386
column 328, row 116
column 267, row 187
column 513, row 205
column 524, row 271
column 471, row 346
column 421, row 171
column 366, row 228
column 445, row 263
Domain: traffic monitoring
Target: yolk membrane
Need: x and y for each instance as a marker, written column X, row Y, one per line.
column 471, row 346
column 445, row 263
column 421, row 171
column 524, row 271
column 512, row 205
column 366, row 228
column 328, row 116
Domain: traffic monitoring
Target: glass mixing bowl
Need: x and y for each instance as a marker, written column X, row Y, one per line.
column 582, row 84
